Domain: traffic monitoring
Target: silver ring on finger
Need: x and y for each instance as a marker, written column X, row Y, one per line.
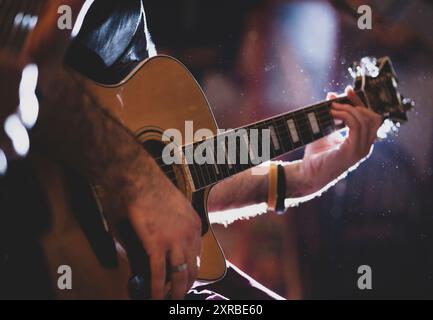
column 180, row 268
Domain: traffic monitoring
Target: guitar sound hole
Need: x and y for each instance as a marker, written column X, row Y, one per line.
column 155, row 148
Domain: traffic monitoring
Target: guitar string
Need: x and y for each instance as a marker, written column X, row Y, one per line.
column 306, row 123
column 210, row 175
column 329, row 122
column 206, row 177
column 299, row 125
column 321, row 116
column 203, row 174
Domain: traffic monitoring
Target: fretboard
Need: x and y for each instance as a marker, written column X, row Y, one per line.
column 286, row 132
column 18, row 18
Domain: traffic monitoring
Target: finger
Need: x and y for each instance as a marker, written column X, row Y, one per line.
column 179, row 279
column 353, row 97
column 375, row 121
column 364, row 128
column 157, row 267
column 360, row 117
column 340, row 112
column 192, row 268
column 331, row 96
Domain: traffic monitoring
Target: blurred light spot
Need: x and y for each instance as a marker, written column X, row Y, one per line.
column 29, row 104
column 227, row 217
column 18, row 19
column 3, row 163
column 25, row 21
column 311, row 27
column 385, row 129
column 18, row 135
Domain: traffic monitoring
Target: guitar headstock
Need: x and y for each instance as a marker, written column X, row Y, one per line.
column 378, row 81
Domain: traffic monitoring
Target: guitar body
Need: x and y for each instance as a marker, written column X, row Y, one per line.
column 160, row 94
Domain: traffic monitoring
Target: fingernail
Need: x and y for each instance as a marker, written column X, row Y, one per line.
column 338, row 122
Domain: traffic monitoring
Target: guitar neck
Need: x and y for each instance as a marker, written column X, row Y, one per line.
column 287, row 132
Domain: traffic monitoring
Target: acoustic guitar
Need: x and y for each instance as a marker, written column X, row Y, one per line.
column 162, row 94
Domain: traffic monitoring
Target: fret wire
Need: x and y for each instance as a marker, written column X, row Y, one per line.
column 200, row 172
column 305, row 130
column 326, row 123
column 284, row 130
column 226, row 155
column 297, row 128
column 309, row 127
column 218, row 146
column 274, row 125
column 215, row 167
column 252, row 147
column 330, row 118
column 193, row 165
column 273, row 150
column 325, row 117
column 319, row 123
column 210, row 169
column 194, row 175
column 199, row 186
column 239, row 166
column 219, row 149
column 291, row 114
column 196, row 166
column 315, row 124
column 205, row 171
column 202, row 181
column 285, row 133
column 215, row 154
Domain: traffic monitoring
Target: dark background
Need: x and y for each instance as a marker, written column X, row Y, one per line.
column 255, row 59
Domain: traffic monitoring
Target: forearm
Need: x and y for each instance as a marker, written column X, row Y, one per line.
column 73, row 129
column 241, row 190
column 304, row 181
column 251, row 187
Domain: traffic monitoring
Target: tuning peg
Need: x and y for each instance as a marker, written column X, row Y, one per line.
column 352, row 72
column 408, row 104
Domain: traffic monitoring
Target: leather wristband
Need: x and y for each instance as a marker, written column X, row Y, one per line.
column 280, row 207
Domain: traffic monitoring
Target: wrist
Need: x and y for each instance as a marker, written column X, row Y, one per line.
column 298, row 183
